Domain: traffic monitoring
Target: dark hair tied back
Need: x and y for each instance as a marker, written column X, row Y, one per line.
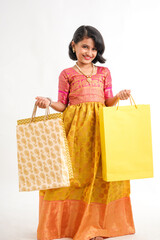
column 88, row 32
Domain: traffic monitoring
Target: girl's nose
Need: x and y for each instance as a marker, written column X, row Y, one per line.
column 89, row 53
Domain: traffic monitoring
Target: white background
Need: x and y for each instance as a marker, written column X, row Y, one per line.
column 34, row 39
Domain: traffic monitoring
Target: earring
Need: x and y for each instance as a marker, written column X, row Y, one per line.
column 73, row 50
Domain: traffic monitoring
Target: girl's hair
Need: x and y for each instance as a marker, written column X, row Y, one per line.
column 88, row 32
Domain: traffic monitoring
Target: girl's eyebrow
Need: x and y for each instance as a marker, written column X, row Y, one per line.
column 84, row 44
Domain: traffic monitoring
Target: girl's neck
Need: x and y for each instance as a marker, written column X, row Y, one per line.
column 84, row 65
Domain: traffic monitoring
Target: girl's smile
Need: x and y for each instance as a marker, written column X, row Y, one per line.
column 87, row 58
column 85, row 51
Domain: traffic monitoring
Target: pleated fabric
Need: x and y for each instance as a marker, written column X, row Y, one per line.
column 90, row 207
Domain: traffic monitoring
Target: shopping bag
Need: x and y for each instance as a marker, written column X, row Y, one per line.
column 43, row 154
column 126, row 142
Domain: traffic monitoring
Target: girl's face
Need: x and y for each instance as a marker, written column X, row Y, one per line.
column 85, row 50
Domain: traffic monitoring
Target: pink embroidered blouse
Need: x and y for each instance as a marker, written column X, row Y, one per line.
column 74, row 88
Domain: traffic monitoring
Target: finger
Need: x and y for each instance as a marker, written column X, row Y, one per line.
column 128, row 93
column 39, row 98
column 125, row 94
column 41, row 103
column 44, row 103
column 122, row 95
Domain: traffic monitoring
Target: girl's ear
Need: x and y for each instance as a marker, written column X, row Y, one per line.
column 72, row 43
column 73, row 46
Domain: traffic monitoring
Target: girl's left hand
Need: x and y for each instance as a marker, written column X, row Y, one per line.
column 124, row 94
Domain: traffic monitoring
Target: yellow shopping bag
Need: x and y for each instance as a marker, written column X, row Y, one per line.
column 126, row 144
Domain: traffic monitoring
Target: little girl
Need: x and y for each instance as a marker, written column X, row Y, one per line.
column 90, row 208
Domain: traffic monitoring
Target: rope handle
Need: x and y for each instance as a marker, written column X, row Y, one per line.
column 131, row 101
column 47, row 112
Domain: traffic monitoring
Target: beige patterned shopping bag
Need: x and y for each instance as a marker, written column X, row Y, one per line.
column 43, row 154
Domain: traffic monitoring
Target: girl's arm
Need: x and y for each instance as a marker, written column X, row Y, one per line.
column 111, row 101
column 122, row 95
column 45, row 102
column 58, row 106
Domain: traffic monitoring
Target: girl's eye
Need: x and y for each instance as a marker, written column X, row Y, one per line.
column 85, row 46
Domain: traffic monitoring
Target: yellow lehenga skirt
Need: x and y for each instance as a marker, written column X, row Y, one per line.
column 90, row 207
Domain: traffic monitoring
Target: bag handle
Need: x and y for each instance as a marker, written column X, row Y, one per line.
column 131, row 101
column 47, row 112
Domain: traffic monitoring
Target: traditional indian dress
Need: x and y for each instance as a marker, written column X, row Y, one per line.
column 90, row 207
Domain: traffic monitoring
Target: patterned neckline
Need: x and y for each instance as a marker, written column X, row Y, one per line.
column 82, row 74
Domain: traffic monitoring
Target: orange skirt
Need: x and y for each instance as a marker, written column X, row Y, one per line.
column 90, row 207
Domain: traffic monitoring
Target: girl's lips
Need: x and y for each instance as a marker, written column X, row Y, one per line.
column 87, row 58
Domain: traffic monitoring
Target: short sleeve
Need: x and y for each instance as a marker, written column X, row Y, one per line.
column 108, row 85
column 63, row 88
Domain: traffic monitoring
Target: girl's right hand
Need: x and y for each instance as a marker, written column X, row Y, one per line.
column 42, row 102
